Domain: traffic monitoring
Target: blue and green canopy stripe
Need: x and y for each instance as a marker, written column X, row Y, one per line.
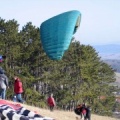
column 56, row 33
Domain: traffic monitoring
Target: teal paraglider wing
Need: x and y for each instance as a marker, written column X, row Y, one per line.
column 56, row 33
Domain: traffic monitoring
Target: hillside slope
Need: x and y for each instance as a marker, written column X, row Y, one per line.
column 108, row 48
column 115, row 64
column 117, row 77
column 64, row 115
column 117, row 82
column 109, row 51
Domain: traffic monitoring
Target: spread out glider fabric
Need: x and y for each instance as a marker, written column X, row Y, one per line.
column 11, row 111
column 56, row 33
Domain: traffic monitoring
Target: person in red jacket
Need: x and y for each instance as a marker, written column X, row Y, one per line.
column 18, row 89
column 51, row 102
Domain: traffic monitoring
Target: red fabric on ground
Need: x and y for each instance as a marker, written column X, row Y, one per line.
column 13, row 105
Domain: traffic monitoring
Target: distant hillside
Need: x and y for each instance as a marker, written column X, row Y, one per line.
column 108, row 51
column 110, row 54
column 115, row 64
column 117, row 79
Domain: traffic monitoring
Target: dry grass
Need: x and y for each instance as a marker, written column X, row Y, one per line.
column 64, row 115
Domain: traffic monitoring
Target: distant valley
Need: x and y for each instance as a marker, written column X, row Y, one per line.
column 106, row 49
column 110, row 54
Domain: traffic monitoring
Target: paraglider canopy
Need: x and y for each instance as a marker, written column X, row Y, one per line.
column 56, row 33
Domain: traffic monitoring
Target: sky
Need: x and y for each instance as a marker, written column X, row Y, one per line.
column 100, row 20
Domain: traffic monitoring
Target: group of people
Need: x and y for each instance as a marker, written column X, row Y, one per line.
column 18, row 90
column 84, row 111
column 4, row 84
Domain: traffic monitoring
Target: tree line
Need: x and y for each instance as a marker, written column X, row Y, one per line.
column 80, row 76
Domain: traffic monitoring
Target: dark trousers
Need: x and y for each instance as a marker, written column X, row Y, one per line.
column 2, row 93
column 19, row 98
column 51, row 108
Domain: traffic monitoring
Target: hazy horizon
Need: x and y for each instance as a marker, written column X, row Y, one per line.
column 100, row 21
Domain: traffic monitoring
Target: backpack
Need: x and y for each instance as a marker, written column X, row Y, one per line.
column 78, row 109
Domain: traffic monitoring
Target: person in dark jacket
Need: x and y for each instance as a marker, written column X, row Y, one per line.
column 18, row 89
column 88, row 113
column 81, row 110
column 3, row 83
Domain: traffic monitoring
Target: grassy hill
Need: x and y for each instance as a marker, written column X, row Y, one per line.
column 67, row 115
column 64, row 115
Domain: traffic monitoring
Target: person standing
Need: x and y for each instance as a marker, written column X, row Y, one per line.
column 18, row 89
column 51, row 102
column 3, row 83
